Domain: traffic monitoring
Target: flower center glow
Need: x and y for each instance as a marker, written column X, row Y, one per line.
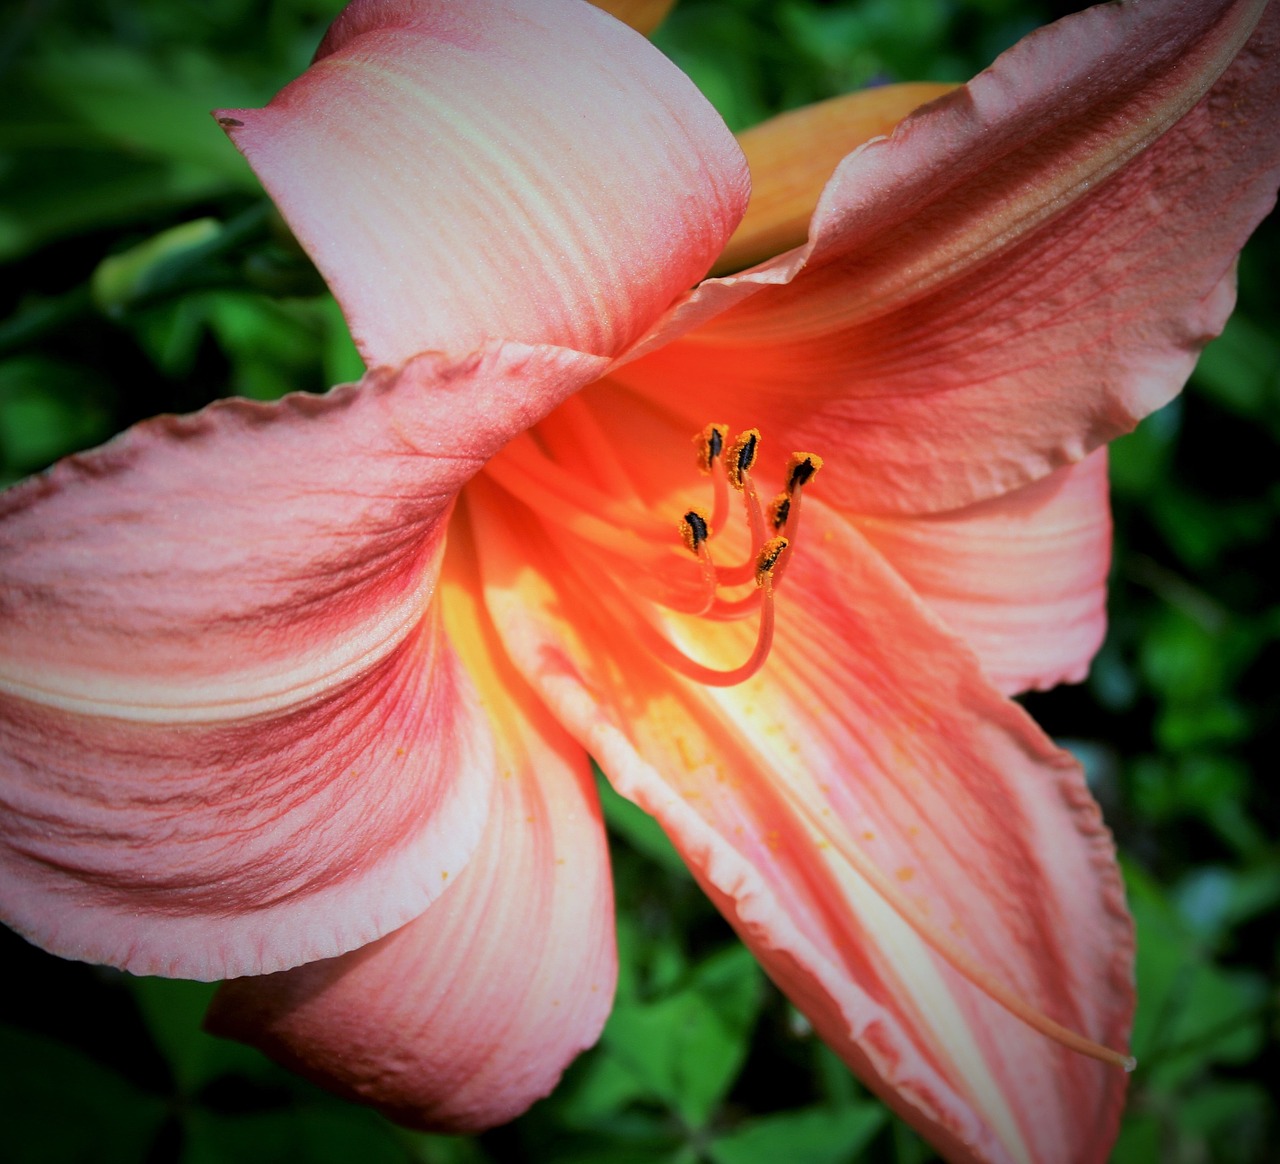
column 574, row 476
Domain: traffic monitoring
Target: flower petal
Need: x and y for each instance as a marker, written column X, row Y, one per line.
column 1025, row 268
column 792, row 157
column 535, row 172
column 855, row 815
column 464, row 1017
column 1021, row 578
column 231, row 739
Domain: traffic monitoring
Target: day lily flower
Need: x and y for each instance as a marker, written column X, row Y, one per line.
column 302, row 694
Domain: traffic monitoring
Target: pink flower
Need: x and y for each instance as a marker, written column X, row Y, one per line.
column 310, row 688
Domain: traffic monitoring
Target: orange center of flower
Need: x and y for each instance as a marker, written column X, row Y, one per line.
column 595, row 501
column 769, row 555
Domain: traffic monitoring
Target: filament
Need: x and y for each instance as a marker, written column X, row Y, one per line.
column 710, row 444
column 677, row 660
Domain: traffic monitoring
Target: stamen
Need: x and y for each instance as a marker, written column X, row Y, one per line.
column 801, row 469
column 779, row 508
column 535, row 476
column 742, row 456
column 755, row 515
column 694, row 533
column 710, row 442
column 693, row 530
column 675, row 658
column 738, row 463
column 709, row 676
column 768, row 558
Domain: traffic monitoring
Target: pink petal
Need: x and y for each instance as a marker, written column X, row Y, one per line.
column 1021, row 578
column 231, row 738
column 464, row 1017
column 521, row 171
column 1024, row 269
column 855, row 812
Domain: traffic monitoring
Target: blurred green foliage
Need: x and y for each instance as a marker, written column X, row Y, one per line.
column 143, row 272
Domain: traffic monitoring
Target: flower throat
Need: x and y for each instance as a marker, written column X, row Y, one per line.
column 772, row 544
column 637, row 550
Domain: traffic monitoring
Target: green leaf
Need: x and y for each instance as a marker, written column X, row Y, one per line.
column 174, row 1010
column 1191, row 1013
column 1140, row 1141
column 427, row 1149
column 1228, row 1113
column 124, row 278
column 717, row 48
column 1215, row 899
column 814, row 1135
column 1241, row 371
column 47, row 410
column 605, row 1087
column 57, row 1105
column 324, row 1133
column 687, row 1049
column 66, row 191
column 149, row 105
column 1139, row 463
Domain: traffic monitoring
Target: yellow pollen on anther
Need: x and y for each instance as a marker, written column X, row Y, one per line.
column 742, row 456
column 694, row 529
column 768, row 557
column 801, row 469
column 695, row 532
column 779, row 509
column 710, row 442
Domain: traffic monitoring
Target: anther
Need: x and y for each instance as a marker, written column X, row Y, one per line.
column 742, row 455
column 710, row 442
column 738, row 462
column 779, row 510
column 768, row 558
column 801, row 468
column 694, row 533
column 694, row 530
